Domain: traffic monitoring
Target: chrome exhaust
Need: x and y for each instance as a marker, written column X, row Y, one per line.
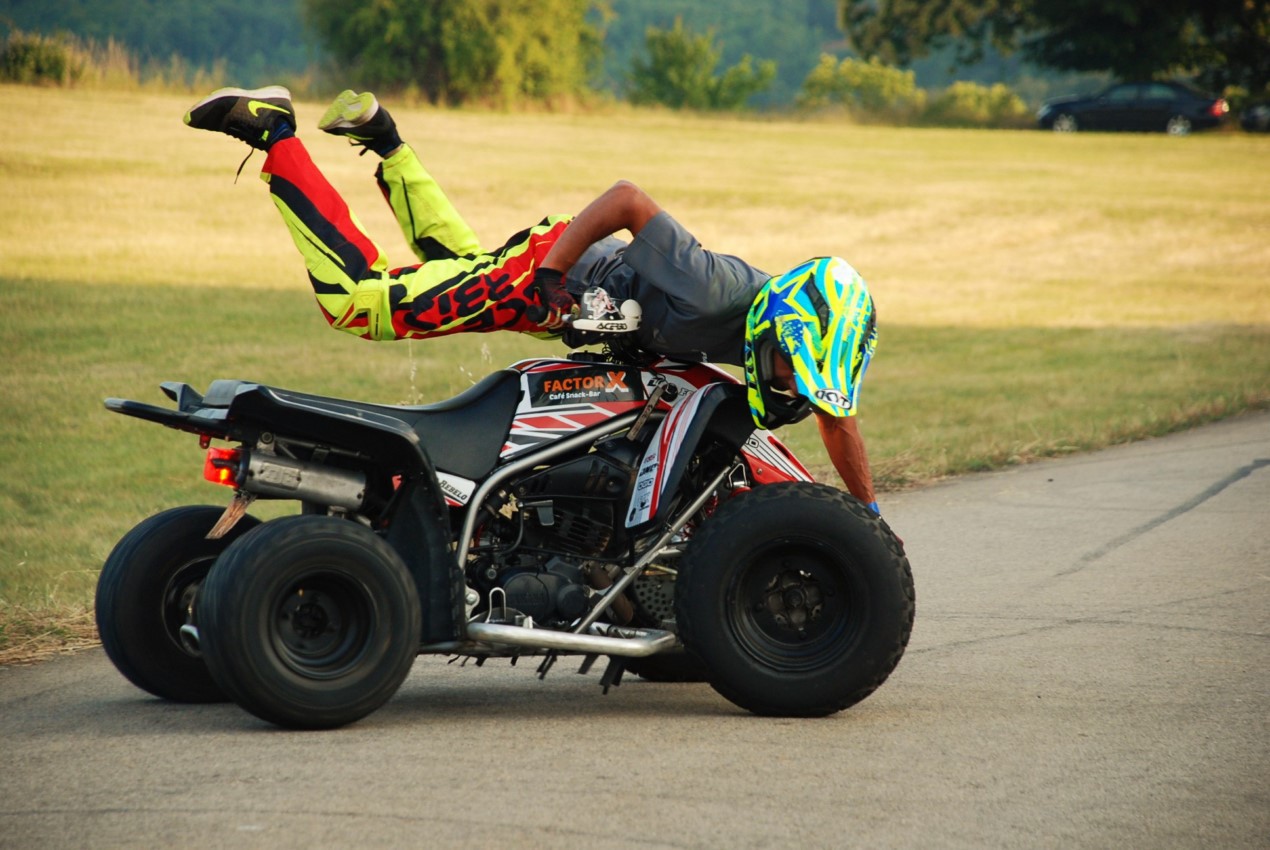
column 283, row 477
column 602, row 639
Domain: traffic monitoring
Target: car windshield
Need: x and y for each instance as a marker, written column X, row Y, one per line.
column 1122, row 93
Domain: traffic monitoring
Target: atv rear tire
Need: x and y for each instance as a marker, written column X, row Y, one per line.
column 798, row 600
column 145, row 594
column 310, row 622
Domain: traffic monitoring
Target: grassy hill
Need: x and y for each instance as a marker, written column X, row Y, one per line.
column 1038, row 294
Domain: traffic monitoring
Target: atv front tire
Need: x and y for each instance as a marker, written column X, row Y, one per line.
column 797, row 599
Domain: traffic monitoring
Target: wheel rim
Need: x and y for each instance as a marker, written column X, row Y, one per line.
column 794, row 607
column 179, row 597
column 322, row 625
column 1065, row 124
column 1178, row 126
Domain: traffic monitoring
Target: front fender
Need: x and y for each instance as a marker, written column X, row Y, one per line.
column 716, row 412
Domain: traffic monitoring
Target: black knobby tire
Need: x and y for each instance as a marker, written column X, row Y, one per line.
column 310, row 622
column 798, row 600
column 671, row 665
column 144, row 596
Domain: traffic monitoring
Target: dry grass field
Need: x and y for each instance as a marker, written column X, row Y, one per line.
column 1039, row 294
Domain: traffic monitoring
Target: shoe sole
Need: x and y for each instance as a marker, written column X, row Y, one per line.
column 273, row 96
column 266, row 93
column 348, row 111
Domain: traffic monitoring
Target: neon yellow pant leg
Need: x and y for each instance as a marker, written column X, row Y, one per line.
column 430, row 223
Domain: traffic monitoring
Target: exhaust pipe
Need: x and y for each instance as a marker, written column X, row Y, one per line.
column 286, row 478
column 603, row 639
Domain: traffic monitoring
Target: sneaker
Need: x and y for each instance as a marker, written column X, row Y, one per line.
column 363, row 120
column 259, row 117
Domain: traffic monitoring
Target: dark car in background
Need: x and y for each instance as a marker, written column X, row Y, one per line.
column 1256, row 118
column 1174, row 108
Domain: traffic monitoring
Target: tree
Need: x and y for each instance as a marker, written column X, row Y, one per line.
column 898, row 31
column 1221, row 42
column 870, row 87
column 497, row 50
column 256, row 41
column 793, row 33
column 680, row 72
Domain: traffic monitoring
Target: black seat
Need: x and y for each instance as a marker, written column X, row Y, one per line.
column 462, row 435
column 465, row 434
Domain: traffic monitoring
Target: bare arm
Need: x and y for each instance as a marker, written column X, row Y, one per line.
column 841, row 436
column 624, row 206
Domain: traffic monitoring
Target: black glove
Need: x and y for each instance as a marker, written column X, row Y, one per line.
column 552, row 302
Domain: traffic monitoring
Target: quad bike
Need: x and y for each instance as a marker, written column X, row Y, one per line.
column 612, row 504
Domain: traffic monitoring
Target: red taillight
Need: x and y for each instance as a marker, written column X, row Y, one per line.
column 1219, row 108
column 222, row 465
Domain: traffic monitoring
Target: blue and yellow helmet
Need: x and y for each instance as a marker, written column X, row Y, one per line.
column 820, row 317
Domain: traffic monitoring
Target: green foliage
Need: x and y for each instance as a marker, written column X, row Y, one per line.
column 679, row 72
column 898, row 31
column 866, row 87
column 253, row 41
column 877, row 91
column 792, row 33
column 69, row 61
column 500, row 51
column 966, row 104
column 1220, row 42
column 29, row 58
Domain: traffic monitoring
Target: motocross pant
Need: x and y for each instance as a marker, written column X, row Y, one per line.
column 455, row 288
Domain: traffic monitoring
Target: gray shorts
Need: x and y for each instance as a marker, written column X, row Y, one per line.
column 694, row 301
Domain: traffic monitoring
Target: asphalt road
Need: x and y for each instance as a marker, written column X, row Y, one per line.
column 1090, row 668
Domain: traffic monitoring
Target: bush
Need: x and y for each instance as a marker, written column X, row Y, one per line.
column 30, row 59
column 874, row 90
column 501, row 52
column 870, row 88
column 965, row 104
column 680, row 73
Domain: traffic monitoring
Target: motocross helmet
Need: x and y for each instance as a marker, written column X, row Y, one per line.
column 820, row 317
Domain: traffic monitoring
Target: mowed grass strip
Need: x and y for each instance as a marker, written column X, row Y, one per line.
column 1038, row 294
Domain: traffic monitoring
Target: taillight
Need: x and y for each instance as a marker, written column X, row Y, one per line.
column 1219, row 108
column 221, row 466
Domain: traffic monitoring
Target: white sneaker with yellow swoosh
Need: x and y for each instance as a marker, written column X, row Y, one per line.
column 257, row 116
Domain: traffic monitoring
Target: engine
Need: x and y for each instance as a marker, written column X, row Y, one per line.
column 554, row 593
column 549, row 559
column 574, row 507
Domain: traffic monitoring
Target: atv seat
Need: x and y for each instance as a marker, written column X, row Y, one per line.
column 463, row 435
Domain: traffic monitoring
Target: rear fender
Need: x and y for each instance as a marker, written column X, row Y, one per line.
column 418, row 516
